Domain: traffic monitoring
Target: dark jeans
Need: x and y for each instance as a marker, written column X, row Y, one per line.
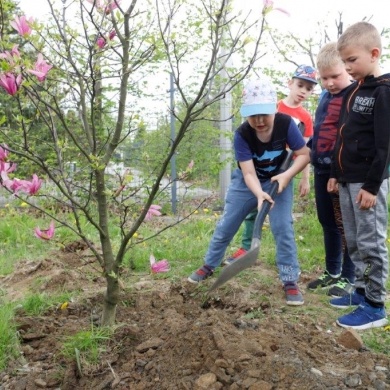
column 337, row 259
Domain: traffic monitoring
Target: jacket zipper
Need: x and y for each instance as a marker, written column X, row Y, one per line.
column 342, row 127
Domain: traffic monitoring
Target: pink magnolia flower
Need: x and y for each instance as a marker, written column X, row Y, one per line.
column 15, row 51
column 47, row 234
column 22, row 25
column 112, row 4
column 269, row 6
column 101, row 42
column 7, row 182
column 18, row 185
column 41, row 68
column 10, row 82
column 160, row 266
column 112, row 35
column 105, row 6
column 10, row 56
column 4, row 152
column 153, row 210
column 34, row 185
column 7, row 167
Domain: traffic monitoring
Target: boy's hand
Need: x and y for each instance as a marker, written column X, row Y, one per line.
column 332, row 186
column 283, row 179
column 261, row 197
column 304, row 187
column 365, row 199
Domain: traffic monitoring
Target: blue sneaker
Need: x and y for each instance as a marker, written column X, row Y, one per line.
column 364, row 317
column 347, row 301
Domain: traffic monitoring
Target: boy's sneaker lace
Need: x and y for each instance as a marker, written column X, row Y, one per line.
column 201, row 274
column 364, row 316
column 348, row 300
column 239, row 252
column 324, row 281
column 341, row 288
column 293, row 295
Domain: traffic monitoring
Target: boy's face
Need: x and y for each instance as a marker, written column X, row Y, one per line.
column 300, row 89
column 359, row 62
column 335, row 78
column 263, row 125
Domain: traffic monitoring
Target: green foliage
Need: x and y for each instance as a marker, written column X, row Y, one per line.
column 37, row 304
column 378, row 340
column 85, row 346
column 9, row 344
column 200, row 144
column 17, row 237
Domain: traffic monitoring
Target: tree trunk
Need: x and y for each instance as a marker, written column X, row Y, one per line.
column 110, row 301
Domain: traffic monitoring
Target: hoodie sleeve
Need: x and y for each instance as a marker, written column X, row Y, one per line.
column 379, row 169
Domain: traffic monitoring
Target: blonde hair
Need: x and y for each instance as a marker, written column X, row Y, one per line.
column 328, row 56
column 361, row 34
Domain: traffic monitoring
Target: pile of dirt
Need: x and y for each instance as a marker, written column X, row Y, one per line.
column 169, row 336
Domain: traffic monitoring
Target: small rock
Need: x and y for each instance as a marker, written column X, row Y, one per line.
column 152, row 343
column 353, row 380
column 261, row 385
column 40, row 383
column 350, row 339
column 316, row 372
column 205, row 381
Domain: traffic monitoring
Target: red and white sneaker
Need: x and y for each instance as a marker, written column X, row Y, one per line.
column 238, row 253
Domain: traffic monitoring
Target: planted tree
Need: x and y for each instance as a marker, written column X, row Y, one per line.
column 82, row 81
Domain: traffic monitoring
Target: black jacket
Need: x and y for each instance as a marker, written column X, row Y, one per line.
column 362, row 150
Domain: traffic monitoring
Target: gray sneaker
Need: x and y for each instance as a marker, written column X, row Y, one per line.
column 201, row 274
column 293, row 295
column 341, row 288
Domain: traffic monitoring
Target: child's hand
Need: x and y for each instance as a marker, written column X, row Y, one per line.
column 303, row 187
column 332, row 186
column 262, row 197
column 283, row 179
column 365, row 199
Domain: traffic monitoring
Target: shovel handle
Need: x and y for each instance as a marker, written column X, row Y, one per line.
column 265, row 207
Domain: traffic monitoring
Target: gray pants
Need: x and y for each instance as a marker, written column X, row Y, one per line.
column 365, row 234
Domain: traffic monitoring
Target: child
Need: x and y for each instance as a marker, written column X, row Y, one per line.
column 260, row 146
column 339, row 275
column 360, row 172
column 301, row 87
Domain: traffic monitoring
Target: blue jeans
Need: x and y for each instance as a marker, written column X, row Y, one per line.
column 337, row 259
column 239, row 202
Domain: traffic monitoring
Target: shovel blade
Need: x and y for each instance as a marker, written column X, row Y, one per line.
column 243, row 262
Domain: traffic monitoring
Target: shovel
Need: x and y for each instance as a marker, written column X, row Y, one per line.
column 250, row 257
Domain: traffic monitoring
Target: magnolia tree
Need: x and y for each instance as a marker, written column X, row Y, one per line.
column 74, row 89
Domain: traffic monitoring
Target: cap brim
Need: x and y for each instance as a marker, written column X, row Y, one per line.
column 258, row 109
column 306, row 79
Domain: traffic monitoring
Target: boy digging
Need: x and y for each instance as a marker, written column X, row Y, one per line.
column 301, row 86
column 260, row 145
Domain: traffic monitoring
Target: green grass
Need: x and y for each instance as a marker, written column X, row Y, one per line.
column 85, row 346
column 9, row 343
column 37, row 304
column 184, row 246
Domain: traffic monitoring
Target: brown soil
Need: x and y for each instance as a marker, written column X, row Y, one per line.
column 169, row 336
